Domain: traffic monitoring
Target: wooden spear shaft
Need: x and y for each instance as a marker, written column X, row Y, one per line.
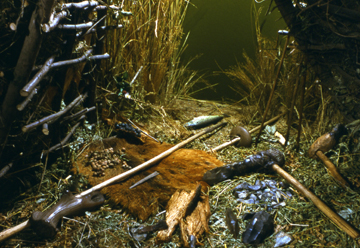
column 149, row 162
column 11, row 231
column 334, row 217
column 235, row 140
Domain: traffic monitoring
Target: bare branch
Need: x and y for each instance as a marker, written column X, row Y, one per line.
column 54, row 21
column 76, row 61
column 51, row 118
column 79, row 5
column 108, row 7
column 23, row 104
column 100, row 56
column 80, row 113
column 93, row 30
column 96, row 23
column 37, row 78
column 75, row 26
column 64, row 141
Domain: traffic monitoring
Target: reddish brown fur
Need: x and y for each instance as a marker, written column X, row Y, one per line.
column 183, row 169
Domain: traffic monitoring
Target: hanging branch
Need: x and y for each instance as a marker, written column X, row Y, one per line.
column 51, row 118
column 64, row 141
column 23, row 104
column 37, row 78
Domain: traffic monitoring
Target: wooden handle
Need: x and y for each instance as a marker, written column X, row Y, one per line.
column 334, row 217
column 11, row 231
column 237, row 139
column 332, row 169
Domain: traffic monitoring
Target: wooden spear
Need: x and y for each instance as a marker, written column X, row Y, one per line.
column 237, row 139
column 11, row 231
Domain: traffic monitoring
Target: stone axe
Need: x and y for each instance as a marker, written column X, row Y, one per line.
column 273, row 159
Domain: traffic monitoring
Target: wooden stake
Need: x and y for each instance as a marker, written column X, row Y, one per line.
column 289, row 120
column 301, row 109
column 273, row 89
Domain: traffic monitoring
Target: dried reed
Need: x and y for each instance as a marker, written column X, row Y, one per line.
column 152, row 38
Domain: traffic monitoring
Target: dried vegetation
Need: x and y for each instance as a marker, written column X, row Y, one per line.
column 151, row 40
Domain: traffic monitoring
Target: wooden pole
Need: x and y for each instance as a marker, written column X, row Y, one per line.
column 273, row 89
column 294, row 97
column 334, row 217
column 303, row 83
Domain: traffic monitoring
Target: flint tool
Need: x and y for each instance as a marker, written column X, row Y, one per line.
column 273, row 159
column 323, row 144
column 13, row 230
column 236, row 137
